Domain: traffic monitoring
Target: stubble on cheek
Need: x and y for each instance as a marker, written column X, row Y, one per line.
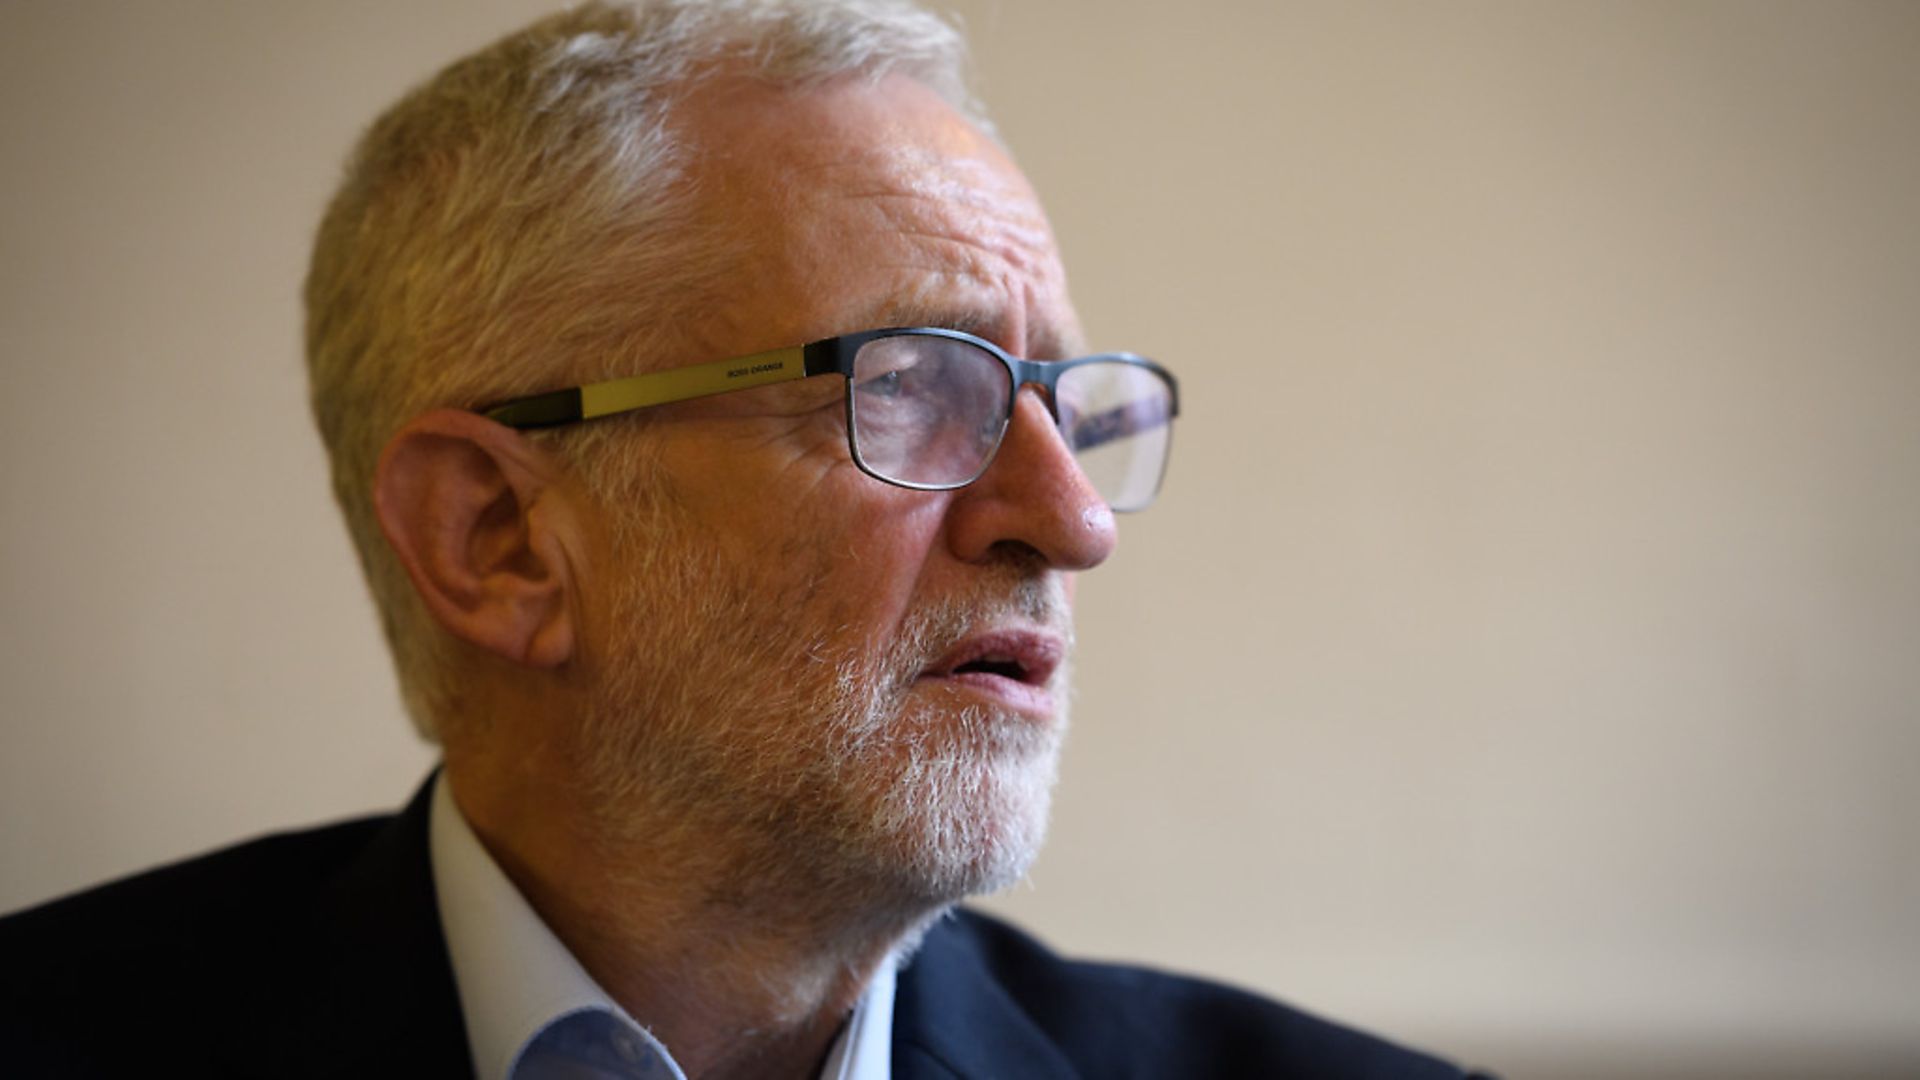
column 940, row 797
column 808, row 750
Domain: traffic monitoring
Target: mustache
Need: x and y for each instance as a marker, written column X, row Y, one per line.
column 1035, row 600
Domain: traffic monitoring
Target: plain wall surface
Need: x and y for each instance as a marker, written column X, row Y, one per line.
column 1524, row 658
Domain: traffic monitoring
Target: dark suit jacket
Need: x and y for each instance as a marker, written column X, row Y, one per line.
column 319, row 953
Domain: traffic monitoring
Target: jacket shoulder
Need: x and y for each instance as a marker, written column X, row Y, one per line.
column 163, row 947
column 248, row 886
column 1119, row 1020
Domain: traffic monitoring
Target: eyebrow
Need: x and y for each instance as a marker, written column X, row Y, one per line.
column 1044, row 340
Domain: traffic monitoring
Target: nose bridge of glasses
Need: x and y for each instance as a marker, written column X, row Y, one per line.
column 1044, row 377
column 1044, row 443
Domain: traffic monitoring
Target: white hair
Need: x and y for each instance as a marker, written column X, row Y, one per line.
column 525, row 220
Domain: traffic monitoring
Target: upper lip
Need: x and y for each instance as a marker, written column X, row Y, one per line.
column 1026, row 656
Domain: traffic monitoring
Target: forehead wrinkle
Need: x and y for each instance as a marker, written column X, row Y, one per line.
column 919, row 191
column 1011, row 251
column 968, row 283
column 993, row 253
column 957, row 237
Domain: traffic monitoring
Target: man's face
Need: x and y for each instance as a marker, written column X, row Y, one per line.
column 848, row 680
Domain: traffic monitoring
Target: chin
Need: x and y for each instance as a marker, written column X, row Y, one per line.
column 964, row 808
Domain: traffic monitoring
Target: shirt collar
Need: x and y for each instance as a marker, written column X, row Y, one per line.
column 515, row 978
column 864, row 1048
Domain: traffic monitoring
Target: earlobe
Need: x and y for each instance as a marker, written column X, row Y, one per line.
column 477, row 519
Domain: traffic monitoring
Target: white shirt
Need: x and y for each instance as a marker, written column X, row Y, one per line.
column 533, row 1013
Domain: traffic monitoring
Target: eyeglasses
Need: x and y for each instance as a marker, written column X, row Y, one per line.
column 926, row 408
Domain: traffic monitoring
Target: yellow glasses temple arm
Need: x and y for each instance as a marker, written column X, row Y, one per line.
column 654, row 388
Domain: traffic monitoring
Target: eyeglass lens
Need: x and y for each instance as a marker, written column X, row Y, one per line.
column 929, row 411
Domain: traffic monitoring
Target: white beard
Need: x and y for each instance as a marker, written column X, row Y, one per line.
column 818, row 767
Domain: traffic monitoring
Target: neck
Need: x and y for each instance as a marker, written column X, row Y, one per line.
column 734, row 967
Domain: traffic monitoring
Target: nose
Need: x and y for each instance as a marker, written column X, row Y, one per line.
column 1033, row 496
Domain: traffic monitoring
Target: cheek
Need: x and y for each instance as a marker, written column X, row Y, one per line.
column 885, row 561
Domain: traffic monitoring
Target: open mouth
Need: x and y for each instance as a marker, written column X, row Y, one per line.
column 1026, row 658
column 1005, row 667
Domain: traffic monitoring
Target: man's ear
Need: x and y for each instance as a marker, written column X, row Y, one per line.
column 477, row 515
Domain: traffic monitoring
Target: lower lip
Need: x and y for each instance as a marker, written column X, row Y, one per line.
column 1010, row 694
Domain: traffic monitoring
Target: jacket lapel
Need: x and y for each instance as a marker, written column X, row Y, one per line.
column 383, row 1000
column 953, row 1019
column 388, row 986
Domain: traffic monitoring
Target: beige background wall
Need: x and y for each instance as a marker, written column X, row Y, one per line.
column 1524, row 660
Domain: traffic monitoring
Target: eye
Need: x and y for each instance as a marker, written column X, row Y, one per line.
column 886, row 385
column 899, row 369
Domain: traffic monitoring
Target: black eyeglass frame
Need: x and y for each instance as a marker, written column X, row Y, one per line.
column 828, row 356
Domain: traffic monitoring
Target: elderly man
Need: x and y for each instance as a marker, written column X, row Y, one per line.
column 705, row 402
